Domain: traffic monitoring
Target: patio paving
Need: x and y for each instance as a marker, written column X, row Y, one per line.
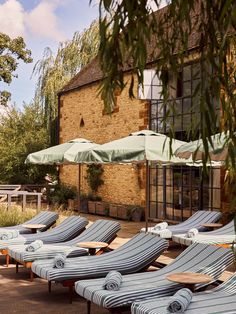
column 19, row 295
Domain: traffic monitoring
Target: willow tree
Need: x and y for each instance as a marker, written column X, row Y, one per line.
column 54, row 71
column 11, row 50
column 129, row 27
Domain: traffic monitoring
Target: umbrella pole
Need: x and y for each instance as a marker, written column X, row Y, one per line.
column 147, row 194
column 79, row 185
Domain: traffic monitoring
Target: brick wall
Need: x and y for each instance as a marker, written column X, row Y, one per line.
column 82, row 115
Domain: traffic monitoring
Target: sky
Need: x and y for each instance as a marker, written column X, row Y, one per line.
column 42, row 23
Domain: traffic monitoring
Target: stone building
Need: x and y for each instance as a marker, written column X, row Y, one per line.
column 176, row 191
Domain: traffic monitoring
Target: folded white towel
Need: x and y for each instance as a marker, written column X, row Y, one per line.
column 8, row 234
column 166, row 234
column 34, row 246
column 59, row 261
column 192, row 233
column 180, row 301
column 161, row 226
column 113, row 281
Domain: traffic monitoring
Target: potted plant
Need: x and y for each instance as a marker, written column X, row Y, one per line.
column 65, row 196
column 93, row 202
column 118, row 211
column 136, row 213
column 83, row 203
column 94, row 179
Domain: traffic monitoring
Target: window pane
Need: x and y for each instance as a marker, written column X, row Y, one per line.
column 154, row 110
column 196, row 70
column 160, row 210
column 186, row 89
column 178, row 123
column 177, row 106
column 187, row 73
column 153, row 210
column 196, row 87
column 154, row 125
column 186, row 122
column 153, row 176
column 156, row 92
column 160, row 176
column 187, row 105
column 160, row 126
column 169, row 195
column 160, row 109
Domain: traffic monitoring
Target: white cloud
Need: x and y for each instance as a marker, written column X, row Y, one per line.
column 12, row 18
column 41, row 21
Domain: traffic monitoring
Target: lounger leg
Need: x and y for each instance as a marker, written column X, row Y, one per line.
column 88, row 307
column 17, row 267
column 71, row 290
column 7, row 260
column 49, row 286
column 31, row 276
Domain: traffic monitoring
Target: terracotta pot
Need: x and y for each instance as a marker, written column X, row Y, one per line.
column 113, row 211
column 91, row 207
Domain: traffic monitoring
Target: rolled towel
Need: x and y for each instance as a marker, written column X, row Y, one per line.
column 192, row 233
column 59, row 261
column 8, row 234
column 113, row 281
column 166, row 234
column 161, row 226
column 180, row 301
column 34, row 246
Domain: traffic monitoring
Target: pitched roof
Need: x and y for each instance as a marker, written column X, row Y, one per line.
column 93, row 73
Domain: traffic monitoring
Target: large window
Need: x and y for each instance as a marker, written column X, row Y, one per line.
column 176, row 192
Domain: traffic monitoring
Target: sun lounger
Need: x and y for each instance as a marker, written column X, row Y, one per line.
column 195, row 221
column 200, row 258
column 133, row 256
column 68, row 229
column 47, row 218
column 220, row 300
column 220, row 236
column 100, row 230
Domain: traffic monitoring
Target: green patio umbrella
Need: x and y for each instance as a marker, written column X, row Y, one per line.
column 142, row 146
column 57, row 155
column 137, row 147
column 218, row 149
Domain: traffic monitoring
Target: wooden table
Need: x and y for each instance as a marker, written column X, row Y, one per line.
column 189, row 279
column 212, row 226
column 34, row 227
column 92, row 246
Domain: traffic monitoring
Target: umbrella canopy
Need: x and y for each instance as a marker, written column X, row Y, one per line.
column 142, row 146
column 57, row 154
column 137, row 147
column 217, row 149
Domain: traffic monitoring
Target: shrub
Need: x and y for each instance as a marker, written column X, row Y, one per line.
column 14, row 216
column 62, row 193
column 94, row 174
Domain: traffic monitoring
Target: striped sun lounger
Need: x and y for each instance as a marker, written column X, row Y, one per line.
column 101, row 231
column 131, row 257
column 195, row 221
column 68, row 229
column 200, row 258
column 47, row 218
column 220, row 300
column 224, row 235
